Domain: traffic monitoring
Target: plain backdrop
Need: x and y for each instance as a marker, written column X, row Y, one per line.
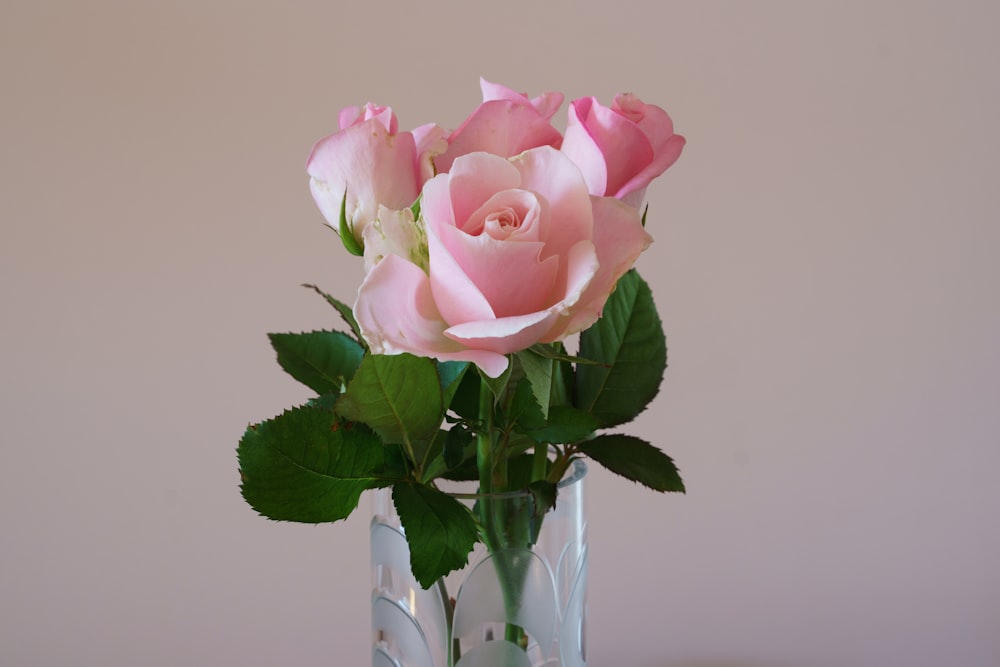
column 826, row 264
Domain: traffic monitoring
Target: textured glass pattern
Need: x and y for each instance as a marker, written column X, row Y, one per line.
column 524, row 605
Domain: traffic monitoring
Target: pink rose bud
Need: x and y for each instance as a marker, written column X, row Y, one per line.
column 517, row 252
column 371, row 164
column 505, row 124
column 545, row 104
column 622, row 148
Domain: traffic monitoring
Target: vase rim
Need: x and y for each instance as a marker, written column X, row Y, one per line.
column 574, row 474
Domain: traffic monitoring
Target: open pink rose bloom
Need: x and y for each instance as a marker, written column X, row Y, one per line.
column 522, row 234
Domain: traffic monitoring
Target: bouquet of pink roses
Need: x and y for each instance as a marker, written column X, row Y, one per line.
column 483, row 249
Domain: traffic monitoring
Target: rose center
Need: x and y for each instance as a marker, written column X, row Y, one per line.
column 501, row 224
column 507, row 215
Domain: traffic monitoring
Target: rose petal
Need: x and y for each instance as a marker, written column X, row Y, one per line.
column 475, row 178
column 500, row 127
column 583, row 150
column 624, row 145
column 383, row 115
column 546, row 104
column 349, row 116
column 582, row 265
column 508, row 274
column 659, row 129
column 496, row 91
column 554, row 176
column 435, row 202
column 619, row 239
column 511, row 334
column 506, row 334
column 396, row 312
column 373, row 166
column 664, row 157
column 522, row 211
column 395, row 233
column 431, row 140
column 458, row 298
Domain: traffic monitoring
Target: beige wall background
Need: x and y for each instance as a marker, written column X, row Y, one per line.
column 826, row 265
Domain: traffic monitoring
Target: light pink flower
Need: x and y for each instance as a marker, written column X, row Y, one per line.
column 506, row 123
column 518, row 252
column 373, row 163
column 622, row 148
column 546, row 104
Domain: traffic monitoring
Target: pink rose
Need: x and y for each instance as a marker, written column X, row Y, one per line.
column 621, row 149
column 505, row 124
column 374, row 163
column 517, row 252
column 546, row 104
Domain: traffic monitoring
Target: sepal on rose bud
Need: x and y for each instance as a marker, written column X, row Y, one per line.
column 346, row 233
column 395, row 166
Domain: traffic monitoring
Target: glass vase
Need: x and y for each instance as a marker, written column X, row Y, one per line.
column 519, row 602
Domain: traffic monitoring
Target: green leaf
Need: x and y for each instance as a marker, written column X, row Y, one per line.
column 521, row 472
column 429, row 455
column 636, row 460
column 327, row 402
column 467, row 471
column 305, row 465
column 346, row 234
column 498, row 385
column 628, row 342
column 518, row 444
column 538, row 371
column 524, row 412
column 439, row 529
column 565, row 425
column 324, row 361
column 442, row 459
column 557, row 352
column 451, row 374
column 459, row 446
column 345, row 313
column 465, row 402
column 397, row 466
column 562, row 383
column 399, row 396
column 544, row 494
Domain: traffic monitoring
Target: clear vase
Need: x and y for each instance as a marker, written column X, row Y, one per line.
column 521, row 602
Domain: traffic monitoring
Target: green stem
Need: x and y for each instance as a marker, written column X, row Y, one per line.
column 539, row 463
column 454, row 650
column 493, row 478
column 561, row 464
column 484, row 439
column 500, row 478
